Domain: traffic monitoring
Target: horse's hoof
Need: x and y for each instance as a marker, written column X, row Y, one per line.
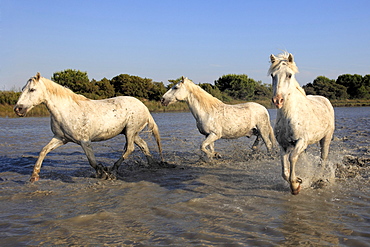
column 217, row 155
column 110, row 177
column 105, row 174
column 296, row 191
column 101, row 174
column 34, row 179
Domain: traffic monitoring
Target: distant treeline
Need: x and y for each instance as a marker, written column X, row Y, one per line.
column 227, row 88
column 345, row 87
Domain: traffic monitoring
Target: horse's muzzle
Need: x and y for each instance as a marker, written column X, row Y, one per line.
column 164, row 102
column 20, row 110
column 278, row 101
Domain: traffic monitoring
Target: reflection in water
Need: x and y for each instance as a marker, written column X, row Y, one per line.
column 238, row 200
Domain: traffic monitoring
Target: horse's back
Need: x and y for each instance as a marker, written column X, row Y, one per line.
column 250, row 106
column 128, row 101
column 321, row 100
column 124, row 105
column 257, row 111
column 246, row 109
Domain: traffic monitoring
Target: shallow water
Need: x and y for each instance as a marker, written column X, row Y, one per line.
column 239, row 200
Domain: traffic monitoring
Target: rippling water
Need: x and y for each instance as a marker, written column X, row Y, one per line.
column 239, row 200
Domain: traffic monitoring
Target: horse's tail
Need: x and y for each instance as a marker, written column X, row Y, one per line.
column 272, row 137
column 155, row 131
column 271, row 130
column 268, row 133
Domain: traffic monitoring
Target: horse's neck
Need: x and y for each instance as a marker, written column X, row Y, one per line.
column 196, row 107
column 294, row 103
column 60, row 107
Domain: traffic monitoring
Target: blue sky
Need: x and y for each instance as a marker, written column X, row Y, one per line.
column 164, row 40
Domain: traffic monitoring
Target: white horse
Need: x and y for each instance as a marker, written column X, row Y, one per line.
column 301, row 120
column 75, row 118
column 217, row 120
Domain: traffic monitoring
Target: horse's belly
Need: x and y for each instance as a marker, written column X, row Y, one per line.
column 107, row 129
column 235, row 130
column 102, row 136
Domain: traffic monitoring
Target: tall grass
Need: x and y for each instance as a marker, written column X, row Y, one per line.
column 38, row 111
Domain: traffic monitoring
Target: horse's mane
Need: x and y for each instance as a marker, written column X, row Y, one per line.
column 60, row 91
column 282, row 59
column 206, row 100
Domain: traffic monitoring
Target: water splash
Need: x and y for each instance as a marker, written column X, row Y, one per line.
column 314, row 172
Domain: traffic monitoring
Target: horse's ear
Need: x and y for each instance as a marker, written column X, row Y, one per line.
column 291, row 58
column 272, row 58
column 38, row 76
column 183, row 78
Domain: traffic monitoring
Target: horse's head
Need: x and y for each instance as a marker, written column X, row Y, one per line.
column 177, row 93
column 32, row 95
column 282, row 71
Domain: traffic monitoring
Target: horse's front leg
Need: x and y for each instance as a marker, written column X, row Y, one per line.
column 284, row 155
column 209, row 142
column 212, row 149
column 295, row 182
column 53, row 144
column 100, row 171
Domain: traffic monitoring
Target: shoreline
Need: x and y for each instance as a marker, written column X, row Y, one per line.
column 6, row 111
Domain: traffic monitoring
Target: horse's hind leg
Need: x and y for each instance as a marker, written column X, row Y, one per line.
column 256, row 142
column 266, row 132
column 144, row 148
column 53, row 144
column 324, row 144
column 129, row 148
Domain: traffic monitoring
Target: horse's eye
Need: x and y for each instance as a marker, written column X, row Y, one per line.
column 289, row 76
column 32, row 90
